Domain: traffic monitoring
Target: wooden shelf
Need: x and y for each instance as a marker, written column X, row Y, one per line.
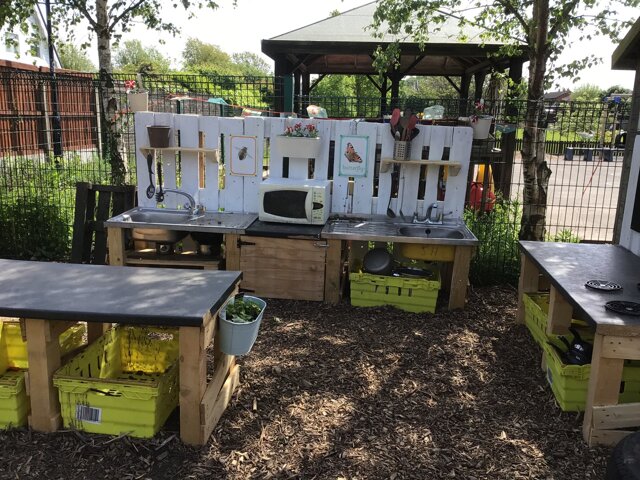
column 207, row 151
column 148, row 257
column 454, row 167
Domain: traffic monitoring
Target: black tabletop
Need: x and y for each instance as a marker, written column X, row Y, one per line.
column 97, row 293
column 570, row 265
column 283, row 230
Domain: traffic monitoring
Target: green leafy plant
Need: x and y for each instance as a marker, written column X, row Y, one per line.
column 497, row 259
column 565, row 235
column 242, row 311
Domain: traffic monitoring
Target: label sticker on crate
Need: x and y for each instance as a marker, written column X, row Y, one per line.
column 84, row 413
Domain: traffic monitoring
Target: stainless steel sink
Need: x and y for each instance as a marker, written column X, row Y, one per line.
column 382, row 229
column 169, row 225
column 429, row 231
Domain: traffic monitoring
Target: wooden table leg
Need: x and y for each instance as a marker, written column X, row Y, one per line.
column 95, row 330
column 193, row 379
column 460, row 277
column 333, row 271
column 604, row 388
column 43, row 350
column 529, row 280
column 115, row 241
column 560, row 313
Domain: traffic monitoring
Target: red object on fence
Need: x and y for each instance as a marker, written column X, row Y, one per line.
column 475, row 197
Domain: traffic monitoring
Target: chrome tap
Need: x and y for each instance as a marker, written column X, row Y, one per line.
column 428, row 217
column 193, row 208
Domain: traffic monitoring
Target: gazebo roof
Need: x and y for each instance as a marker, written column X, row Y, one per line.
column 345, row 44
column 627, row 54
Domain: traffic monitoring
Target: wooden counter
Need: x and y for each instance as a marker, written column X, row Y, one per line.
column 52, row 296
column 567, row 266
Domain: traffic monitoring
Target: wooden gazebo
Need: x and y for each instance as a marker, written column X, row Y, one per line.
column 344, row 44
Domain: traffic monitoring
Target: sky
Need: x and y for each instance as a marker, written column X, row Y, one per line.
column 241, row 28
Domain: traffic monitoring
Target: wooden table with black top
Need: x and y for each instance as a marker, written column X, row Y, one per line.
column 51, row 297
column 567, row 267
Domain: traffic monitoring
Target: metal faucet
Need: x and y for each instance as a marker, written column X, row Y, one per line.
column 427, row 219
column 191, row 206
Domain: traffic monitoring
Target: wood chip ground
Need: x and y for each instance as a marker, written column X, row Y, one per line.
column 337, row 392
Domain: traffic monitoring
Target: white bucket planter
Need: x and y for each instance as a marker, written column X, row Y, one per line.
column 481, row 127
column 138, row 102
column 298, row 147
column 238, row 338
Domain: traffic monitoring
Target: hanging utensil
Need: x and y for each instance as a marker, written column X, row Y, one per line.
column 411, row 125
column 151, row 190
column 404, row 122
column 394, row 175
column 395, row 117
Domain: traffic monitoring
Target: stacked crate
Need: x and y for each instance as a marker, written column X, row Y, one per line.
column 14, row 402
column 569, row 383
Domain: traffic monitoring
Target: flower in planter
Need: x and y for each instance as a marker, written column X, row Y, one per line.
column 478, row 111
column 298, row 130
column 130, row 87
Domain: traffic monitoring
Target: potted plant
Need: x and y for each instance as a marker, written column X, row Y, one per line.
column 138, row 98
column 239, row 323
column 480, row 122
column 299, row 141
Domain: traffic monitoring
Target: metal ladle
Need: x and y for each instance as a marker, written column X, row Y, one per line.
column 151, row 190
column 390, row 212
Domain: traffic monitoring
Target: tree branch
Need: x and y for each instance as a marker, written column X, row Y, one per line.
column 126, row 11
column 509, row 8
column 80, row 5
column 561, row 20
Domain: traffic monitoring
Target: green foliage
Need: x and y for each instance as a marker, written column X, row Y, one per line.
column 497, row 259
column 37, row 199
column 565, row 235
column 251, row 64
column 73, row 58
column 427, row 87
column 198, row 55
column 587, row 93
column 133, row 57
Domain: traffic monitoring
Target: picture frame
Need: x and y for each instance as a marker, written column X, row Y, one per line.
column 353, row 155
column 242, row 157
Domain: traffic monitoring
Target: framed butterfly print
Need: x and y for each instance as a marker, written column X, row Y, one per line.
column 353, row 155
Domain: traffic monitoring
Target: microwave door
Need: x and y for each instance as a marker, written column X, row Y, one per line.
column 292, row 204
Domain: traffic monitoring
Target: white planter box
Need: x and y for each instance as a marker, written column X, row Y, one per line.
column 481, row 127
column 138, row 102
column 298, row 147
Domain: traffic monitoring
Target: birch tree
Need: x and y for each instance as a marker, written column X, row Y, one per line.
column 107, row 20
column 538, row 28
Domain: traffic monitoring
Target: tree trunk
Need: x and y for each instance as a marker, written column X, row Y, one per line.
column 535, row 171
column 112, row 137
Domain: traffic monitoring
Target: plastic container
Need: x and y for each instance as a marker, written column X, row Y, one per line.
column 423, row 251
column 536, row 317
column 409, row 294
column 238, row 338
column 159, row 136
column 14, row 403
column 401, row 150
column 126, row 382
column 298, row 147
column 481, row 127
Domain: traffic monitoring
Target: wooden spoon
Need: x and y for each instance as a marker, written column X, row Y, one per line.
column 411, row 124
column 395, row 117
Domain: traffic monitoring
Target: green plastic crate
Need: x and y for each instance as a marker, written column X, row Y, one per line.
column 15, row 348
column 570, row 383
column 126, row 382
column 14, row 403
column 536, row 317
column 410, row 294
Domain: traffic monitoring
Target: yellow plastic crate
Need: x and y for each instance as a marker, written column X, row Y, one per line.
column 570, row 383
column 536, row 317
column 434, row 253
column 410, row 294
column 16, row 349
column 126, row 382
column 14, row 403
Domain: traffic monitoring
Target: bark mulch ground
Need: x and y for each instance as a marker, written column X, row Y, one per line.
column 339, row 392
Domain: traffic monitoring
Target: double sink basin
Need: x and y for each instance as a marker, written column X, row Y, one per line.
column 163, row 225
column 383, row 229
column 168, row 226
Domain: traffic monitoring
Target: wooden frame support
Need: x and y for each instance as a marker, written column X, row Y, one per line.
column 528, row 283
column 460, row 277
column 560, row 313
column 43, row 351
column 333, row 271
column 115, row 242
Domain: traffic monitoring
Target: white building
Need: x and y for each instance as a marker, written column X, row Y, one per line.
column 16, row 46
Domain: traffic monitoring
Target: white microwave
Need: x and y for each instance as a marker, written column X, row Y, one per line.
column 287, row 200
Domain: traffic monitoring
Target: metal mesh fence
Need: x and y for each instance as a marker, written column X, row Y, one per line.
column 583, row 149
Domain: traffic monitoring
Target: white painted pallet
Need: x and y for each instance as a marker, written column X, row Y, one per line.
column 240, row 193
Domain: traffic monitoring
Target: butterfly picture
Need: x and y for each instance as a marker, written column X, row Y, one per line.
column 351, row 154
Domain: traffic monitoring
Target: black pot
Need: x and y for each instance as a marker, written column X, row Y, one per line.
column 378, row 261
